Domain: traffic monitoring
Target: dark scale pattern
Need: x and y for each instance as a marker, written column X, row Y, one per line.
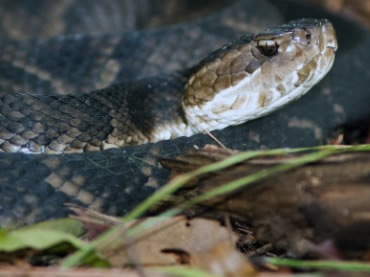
column 80, row 63
column 45, row 120
column 45, row 18
column 24, row 19
column 45, row 186
column 80, row 122
column 50, row 65
column 146, row 110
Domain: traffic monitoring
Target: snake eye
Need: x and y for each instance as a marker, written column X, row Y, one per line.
column 268, row 48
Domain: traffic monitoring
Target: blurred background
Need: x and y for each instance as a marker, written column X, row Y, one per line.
column 358, row 10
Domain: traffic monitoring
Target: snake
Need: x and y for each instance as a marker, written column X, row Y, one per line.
column 98, row 137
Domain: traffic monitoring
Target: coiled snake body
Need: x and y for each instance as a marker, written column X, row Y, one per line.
column 273, row 67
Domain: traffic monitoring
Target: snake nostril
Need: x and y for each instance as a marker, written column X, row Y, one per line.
column 308, row 37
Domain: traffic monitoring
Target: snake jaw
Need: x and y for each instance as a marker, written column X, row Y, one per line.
column 259, row 74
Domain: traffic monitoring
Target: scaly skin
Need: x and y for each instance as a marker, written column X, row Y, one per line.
column 35, row 187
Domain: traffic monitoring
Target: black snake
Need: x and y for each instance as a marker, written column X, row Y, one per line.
column 35, row 187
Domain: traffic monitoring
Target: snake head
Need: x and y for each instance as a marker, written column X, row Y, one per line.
column 259, row 74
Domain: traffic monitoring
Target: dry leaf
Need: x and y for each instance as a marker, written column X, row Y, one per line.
column 223, row 260
column 173, row 241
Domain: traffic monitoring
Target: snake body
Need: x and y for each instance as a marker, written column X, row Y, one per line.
column 35, row 187
column 243, row 80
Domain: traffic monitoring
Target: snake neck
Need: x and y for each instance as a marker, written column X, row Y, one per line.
column 154, row 110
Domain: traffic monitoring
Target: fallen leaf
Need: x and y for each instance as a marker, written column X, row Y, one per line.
column 173, row 241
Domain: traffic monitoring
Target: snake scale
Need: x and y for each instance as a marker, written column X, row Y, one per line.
column 36, row 187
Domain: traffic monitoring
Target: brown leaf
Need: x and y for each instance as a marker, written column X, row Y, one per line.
column 173, row 241
column 223, row 260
